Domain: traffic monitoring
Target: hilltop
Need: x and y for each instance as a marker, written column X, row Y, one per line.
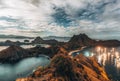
column 65, row 68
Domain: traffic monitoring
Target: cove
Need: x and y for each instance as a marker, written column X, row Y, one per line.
column 9, row 72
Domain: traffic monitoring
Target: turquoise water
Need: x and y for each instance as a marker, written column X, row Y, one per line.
column 23, row 68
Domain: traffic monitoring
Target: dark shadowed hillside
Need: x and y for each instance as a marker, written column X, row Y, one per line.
column 13, row 54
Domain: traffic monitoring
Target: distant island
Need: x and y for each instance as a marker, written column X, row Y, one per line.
column 15, row 36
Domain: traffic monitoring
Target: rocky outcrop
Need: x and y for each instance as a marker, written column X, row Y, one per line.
column 65, row 68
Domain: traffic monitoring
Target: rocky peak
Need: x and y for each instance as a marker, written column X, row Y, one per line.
column 78, row 41
column 83, row 38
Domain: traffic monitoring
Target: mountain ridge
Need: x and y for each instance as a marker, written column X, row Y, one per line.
column 65, row 68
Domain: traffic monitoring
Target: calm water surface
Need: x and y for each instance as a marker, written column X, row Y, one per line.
column 23, row 68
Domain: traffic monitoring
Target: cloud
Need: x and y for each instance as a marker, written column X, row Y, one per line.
column 60, row 17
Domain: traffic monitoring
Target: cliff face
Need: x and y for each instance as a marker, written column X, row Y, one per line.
column 65, row 68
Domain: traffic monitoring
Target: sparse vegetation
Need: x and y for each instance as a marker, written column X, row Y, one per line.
column 65, row 68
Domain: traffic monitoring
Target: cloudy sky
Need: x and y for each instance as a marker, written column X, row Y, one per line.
column 98, row 18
